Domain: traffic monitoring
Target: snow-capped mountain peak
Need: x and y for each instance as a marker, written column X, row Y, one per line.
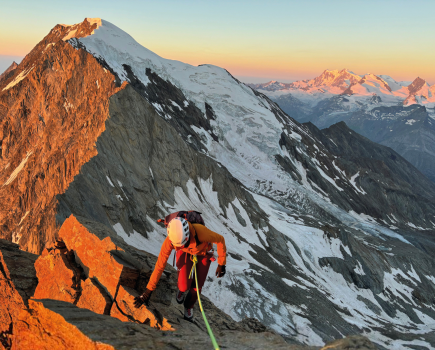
column 83, row 29
column 335, row 78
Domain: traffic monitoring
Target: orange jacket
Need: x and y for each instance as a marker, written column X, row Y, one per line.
column 205, row 236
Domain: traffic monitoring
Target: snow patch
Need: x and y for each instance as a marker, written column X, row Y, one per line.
column 17, row 170
column 71, row 34
column 22, row 219
column 121, row 187
column 410, row 121
column 18, row 78
column 176, row 105
column 352, row 181
column 110, row 182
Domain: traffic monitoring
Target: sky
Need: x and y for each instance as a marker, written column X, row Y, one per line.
column 257, row 41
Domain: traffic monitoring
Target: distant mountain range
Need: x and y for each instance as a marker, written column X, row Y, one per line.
column 398, row 114
column 8, row 72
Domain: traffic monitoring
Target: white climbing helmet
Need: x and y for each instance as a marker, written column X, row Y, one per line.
column 178, row 231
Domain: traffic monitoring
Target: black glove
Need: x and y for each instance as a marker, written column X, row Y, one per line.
column 144, row 298
column 220, row 271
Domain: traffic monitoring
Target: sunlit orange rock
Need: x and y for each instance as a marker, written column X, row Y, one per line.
column 41, row 328
column 55, row 279
column 49, row 124
column 61, row 278
column 97, row 257
column 92, row 298
column 124, row 309
column 108, row 276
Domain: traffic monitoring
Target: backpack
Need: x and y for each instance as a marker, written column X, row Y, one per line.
column 194, row 217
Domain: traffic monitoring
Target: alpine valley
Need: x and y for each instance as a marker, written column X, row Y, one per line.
column 396, row 114
column 328, row 233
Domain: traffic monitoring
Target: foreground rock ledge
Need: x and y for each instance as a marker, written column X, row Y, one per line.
column 83, row 299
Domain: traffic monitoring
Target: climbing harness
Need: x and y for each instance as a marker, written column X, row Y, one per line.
column 210, row 333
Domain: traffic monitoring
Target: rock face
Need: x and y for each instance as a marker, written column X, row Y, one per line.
column 17, row 281
column 60, row 97
column 41, row 328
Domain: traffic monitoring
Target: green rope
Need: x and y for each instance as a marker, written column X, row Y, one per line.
column 210, row 333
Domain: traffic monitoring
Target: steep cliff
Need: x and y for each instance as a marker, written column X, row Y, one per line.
column 52, row 111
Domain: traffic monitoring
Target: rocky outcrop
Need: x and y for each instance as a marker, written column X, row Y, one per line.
column 55, row 323
column 96, row 274
column 40, row 328
column 59, row 96
column 68, row 274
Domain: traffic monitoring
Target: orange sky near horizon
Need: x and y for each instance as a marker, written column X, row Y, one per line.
column 283, row 40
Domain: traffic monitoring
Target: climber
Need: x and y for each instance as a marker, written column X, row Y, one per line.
column 187, row 239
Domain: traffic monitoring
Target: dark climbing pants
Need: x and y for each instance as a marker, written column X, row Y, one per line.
column 184, row 266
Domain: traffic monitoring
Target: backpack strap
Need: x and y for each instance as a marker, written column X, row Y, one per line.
column 195, row 235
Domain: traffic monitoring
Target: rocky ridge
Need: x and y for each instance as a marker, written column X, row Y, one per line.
column 77, row 304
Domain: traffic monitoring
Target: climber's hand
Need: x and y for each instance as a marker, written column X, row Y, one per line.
column 220, row 271
column 144, row 298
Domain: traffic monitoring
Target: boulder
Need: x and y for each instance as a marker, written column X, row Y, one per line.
column 97, row 257
column 94, row 298
column 56, row 278
column 61, row 278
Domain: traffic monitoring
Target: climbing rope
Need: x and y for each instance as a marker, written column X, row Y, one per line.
column 210, row 333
